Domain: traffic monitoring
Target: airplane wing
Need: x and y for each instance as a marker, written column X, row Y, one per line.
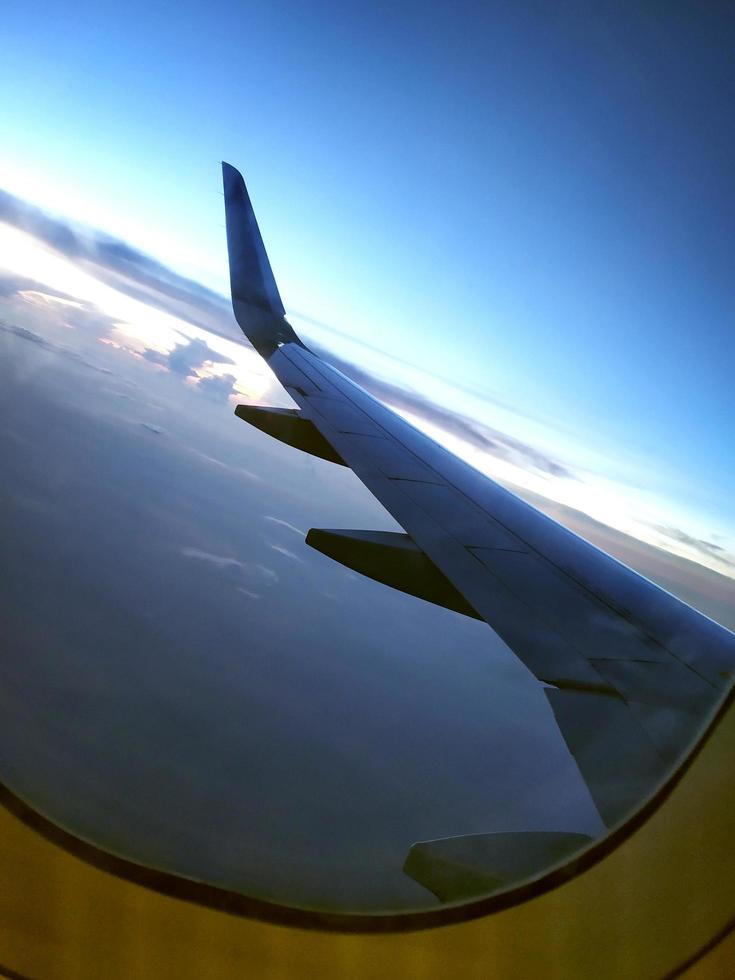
column 631, row 673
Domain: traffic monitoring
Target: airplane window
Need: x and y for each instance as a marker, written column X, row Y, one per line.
column 187, row 683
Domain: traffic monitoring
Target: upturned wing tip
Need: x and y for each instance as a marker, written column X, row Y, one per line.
column 254, row 290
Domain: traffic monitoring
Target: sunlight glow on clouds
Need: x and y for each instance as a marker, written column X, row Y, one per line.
column 140, row 327
column 44, row 300
column 24, row 255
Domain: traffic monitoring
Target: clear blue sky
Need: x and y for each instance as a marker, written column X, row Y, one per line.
column 531, row 198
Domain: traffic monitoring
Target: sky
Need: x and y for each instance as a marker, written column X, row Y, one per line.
column 523, row 210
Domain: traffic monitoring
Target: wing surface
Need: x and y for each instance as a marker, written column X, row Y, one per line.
column 632, row 673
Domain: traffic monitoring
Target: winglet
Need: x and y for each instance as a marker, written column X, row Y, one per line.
column 251, row 276
column 255, row 297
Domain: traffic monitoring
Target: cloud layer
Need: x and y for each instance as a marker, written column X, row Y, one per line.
column 706, row 548
column 123, row 267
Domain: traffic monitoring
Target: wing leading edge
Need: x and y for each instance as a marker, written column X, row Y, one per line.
column 632, row 672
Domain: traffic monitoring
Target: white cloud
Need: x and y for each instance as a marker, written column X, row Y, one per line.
column 282, row 523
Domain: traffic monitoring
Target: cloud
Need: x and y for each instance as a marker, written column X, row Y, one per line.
column 286, row 524
column 221, row 561
column 248, row 593
column 68, row 310
column 145, row 278
column 707, row 548
column 23, row 333
column 703, row 587
column 218, row 388
column 286, row 552
column 11, row 285
column 124, row 267
column 470, row 389
column 193, row 360
column 59, row 234
column 252, row 570
column 184, row 359
column 475, row 433
column 266, row 574
column 220, row 464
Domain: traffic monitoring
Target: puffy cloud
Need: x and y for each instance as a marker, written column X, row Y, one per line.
column 217, row 387
column 186, row 358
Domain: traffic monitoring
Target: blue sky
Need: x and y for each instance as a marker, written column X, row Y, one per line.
column 531, row 200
